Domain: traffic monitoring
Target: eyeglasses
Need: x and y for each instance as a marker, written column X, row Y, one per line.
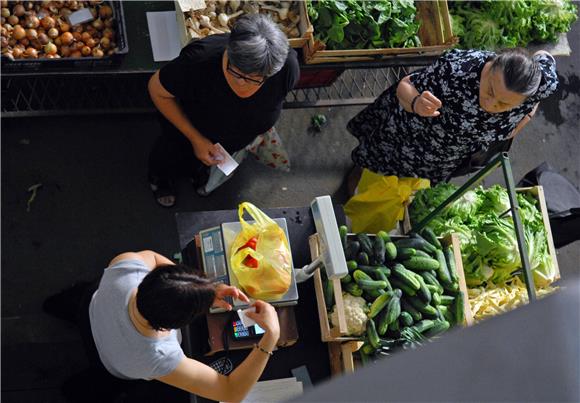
column 243, row 77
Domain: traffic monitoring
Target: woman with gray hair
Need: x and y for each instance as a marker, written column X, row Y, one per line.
column 434, row 120
column 225, row 89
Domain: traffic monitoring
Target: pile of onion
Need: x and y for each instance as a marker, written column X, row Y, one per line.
column 41, row 29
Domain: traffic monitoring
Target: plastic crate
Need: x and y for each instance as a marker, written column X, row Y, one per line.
column 84, row 63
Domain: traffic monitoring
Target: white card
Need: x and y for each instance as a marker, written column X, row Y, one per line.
column 163, row 35
column 229, row 164
column 247, row 322
column 81, row 16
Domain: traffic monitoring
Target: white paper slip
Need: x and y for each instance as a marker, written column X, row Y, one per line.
column 247, row 322
column 229, row 164
column 186, row 5
column 81, row 16
column 163, row 35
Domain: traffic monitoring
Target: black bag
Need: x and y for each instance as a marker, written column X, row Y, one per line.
column 562, row 201
column 480, row 159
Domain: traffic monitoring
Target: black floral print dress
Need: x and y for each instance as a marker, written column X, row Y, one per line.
column 396, row 142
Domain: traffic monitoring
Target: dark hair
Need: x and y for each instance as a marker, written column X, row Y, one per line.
column 257, row 46
column 170, row 296
column 521, row 73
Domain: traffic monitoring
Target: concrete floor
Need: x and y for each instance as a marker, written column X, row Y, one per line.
column 94, row 203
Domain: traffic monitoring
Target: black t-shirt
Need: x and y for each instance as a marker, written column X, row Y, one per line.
column 197, row 80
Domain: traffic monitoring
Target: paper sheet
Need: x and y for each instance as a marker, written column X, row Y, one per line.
column 164, row 35
column 187, row 5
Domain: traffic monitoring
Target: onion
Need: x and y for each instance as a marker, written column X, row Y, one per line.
column 67, row 38
column 18, row 32
column 108, row 33
column 77, row 36
column 86, row 51
column 31, row 34
column 65, row 51
column 31, row 53
column 4, row 32
column 35, row 43
column 29, row 5
column 43, row 39
column 53, row 33
column 78, row 28
column 12, row 42
column 94, row 12
column 50, row 49
column 13, row 20
column 98, row 52
column 64, row 12
column 73, row 5
column 48, row 22
column 105, row 11
column 25, row 42
column 98, row 24
column 8, row 27
column 77, row 45
column 4, row 3
column 58, row 41
column 105, row 43
column 109, row 22
column 95, row 2
column 58, row 3
column 64, row 27
column 18, row 10
column 3, row 42
column 76, row 54
column 91, row 43
column 85, row 36
column 5, row 12
column 17, row 52
column 32, row 21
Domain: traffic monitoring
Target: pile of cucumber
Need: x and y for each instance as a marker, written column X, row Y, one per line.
column 411, row 285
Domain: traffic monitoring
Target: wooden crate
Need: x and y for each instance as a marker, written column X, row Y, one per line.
column 435, row 34
column 304, row 26
column 339, row 334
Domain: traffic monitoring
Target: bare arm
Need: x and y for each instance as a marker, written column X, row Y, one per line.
column 426, row 104
column 170, row 108
column 151, row 259
column 525, row 120
column 199, row 379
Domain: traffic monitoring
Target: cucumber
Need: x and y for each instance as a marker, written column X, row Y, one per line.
column 372, row 334
column 369, row 285
column 351, row 250
column 410, row 309
column 353, row 289
column 452, row 288
column 415, row 243
column 442, row 271
column 382, row 325
column 380, row 275
column 438, row 327
column 458, row 308
column 371, row 269
column 328, row 290
column 364, row 358
column 431, row 279
column 422, row 253
column 425, row 309
column 346, row 279
column 447, row 300
column 424, row 325
column 394, row 327
column 434, row 289
column 393, row 309
column 396, row 283
column 363, row 258
column 384, row 235
column 420, row 263
column 352, row 265
column 366, row 244
column 443, row 309
column 378, row 256
column 406, row 253
column 450, row 260
column 367, row 348
column 390, row 251
column 378, row 304
column 406, row 276
column 359, row 275
column 423, row 291
column 430, row 237
column 428, row 246
column 436, row 298
column 343, row 232
column 406, row 319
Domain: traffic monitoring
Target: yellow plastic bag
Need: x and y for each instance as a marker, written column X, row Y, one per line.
column 380, row 201
column 260, row 256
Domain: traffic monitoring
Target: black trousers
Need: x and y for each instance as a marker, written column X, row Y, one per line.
column 172, row 155
column 96, row 384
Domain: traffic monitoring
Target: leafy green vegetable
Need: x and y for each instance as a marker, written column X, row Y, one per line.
column 350, row 24
column 494, row 24
column 482, row 221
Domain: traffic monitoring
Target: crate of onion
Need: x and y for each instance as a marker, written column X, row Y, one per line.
column 218, row 17
column 43, row 35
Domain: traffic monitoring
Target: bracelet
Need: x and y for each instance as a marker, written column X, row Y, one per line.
column 413, row 102
column 262, row 350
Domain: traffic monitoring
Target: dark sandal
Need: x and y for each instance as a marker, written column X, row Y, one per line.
column 162, row 189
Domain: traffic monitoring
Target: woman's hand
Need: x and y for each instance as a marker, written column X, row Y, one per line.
column 266, row 317
column 206, row 151
column 222, row 291
column 427, row 105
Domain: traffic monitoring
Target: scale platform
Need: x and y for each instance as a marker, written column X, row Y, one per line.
column 216, row 245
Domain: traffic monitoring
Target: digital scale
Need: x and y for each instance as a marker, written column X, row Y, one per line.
column 216, row 243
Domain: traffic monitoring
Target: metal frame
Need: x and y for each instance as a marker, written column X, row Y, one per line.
column 503, row 160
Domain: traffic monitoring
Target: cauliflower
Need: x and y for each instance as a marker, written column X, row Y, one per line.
column 355, row 311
